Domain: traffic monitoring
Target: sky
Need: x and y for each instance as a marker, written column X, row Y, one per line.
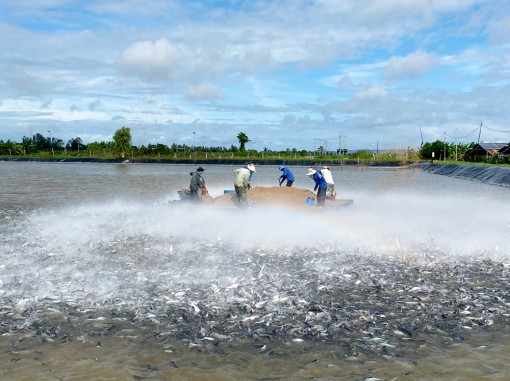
column 353, row 74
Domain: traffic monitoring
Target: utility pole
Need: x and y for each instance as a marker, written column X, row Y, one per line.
column 444, row 146
column 479, row 133
column 341, row 143
column 456, row 144
column 51, row 143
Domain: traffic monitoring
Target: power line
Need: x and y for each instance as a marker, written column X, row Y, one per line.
column 490, row 129
column 465, row 136
column 477, row 128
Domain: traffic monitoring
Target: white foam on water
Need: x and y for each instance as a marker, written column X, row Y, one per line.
column 453, row 224
column 391, row 221
column 121, row 249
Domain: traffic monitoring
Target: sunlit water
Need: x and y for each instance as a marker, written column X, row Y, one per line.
column 104, row 276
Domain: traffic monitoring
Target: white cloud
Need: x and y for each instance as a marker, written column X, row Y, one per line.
column 290, row 54
column 203, row 92
column 499, row 30
column 151, row 60
column 411, row 66
column 21, row 82
column 371, row 94
column 252, row 60
column 74, row 114
column 291, row 119
column 128, row 7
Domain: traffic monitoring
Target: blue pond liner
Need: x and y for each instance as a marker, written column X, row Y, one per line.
column 229, row 191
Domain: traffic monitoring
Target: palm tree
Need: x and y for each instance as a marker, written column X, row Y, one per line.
column 122, row 140
column 243, row 139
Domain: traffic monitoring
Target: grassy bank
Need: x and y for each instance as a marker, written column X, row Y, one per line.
column 287, row 158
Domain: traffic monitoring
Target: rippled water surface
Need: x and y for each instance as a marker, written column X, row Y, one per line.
column 103, row 276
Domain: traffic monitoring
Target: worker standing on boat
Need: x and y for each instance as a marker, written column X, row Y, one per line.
column 286, row 175
column 320, row 185
column 196, row 184
column 242, row 178
column 251, row 173
column 328, row 176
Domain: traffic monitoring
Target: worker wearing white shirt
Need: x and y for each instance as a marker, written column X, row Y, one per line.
column 328, row 176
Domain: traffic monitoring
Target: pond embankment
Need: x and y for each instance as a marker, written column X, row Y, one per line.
column 485, row 174
column 314, row 162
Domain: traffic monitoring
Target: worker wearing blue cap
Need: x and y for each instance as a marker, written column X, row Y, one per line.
column 286, row 175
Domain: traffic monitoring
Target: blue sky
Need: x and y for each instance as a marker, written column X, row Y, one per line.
column 288, row 73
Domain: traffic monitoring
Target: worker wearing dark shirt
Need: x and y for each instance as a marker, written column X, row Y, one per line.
column 197, row 182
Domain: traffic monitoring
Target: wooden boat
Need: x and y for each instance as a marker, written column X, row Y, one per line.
column 276, row 197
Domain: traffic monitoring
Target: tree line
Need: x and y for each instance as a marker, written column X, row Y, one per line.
column 122, row 146
column 441, row 150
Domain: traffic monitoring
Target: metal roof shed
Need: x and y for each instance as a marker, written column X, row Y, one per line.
column 483, row 150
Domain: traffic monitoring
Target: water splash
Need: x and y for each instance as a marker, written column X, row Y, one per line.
column 206, row 272
column 118, row 248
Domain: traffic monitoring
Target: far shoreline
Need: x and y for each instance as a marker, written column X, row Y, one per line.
column 237, row 161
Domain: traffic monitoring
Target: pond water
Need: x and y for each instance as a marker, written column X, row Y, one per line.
column 103, row 276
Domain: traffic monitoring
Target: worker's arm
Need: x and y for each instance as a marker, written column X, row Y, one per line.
column 246, row 180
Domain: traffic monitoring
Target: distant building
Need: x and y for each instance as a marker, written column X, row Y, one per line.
column 505, row 151
column 484, row 151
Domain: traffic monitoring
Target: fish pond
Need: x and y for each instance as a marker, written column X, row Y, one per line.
column 104, row 276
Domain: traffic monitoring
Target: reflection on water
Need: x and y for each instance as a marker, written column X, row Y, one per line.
column 102, row 278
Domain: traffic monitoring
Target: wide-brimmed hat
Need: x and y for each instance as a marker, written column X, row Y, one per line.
column 311, row 172
column 251, row 167
column 280, row 167
column 325, row 167
column 200, row 169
